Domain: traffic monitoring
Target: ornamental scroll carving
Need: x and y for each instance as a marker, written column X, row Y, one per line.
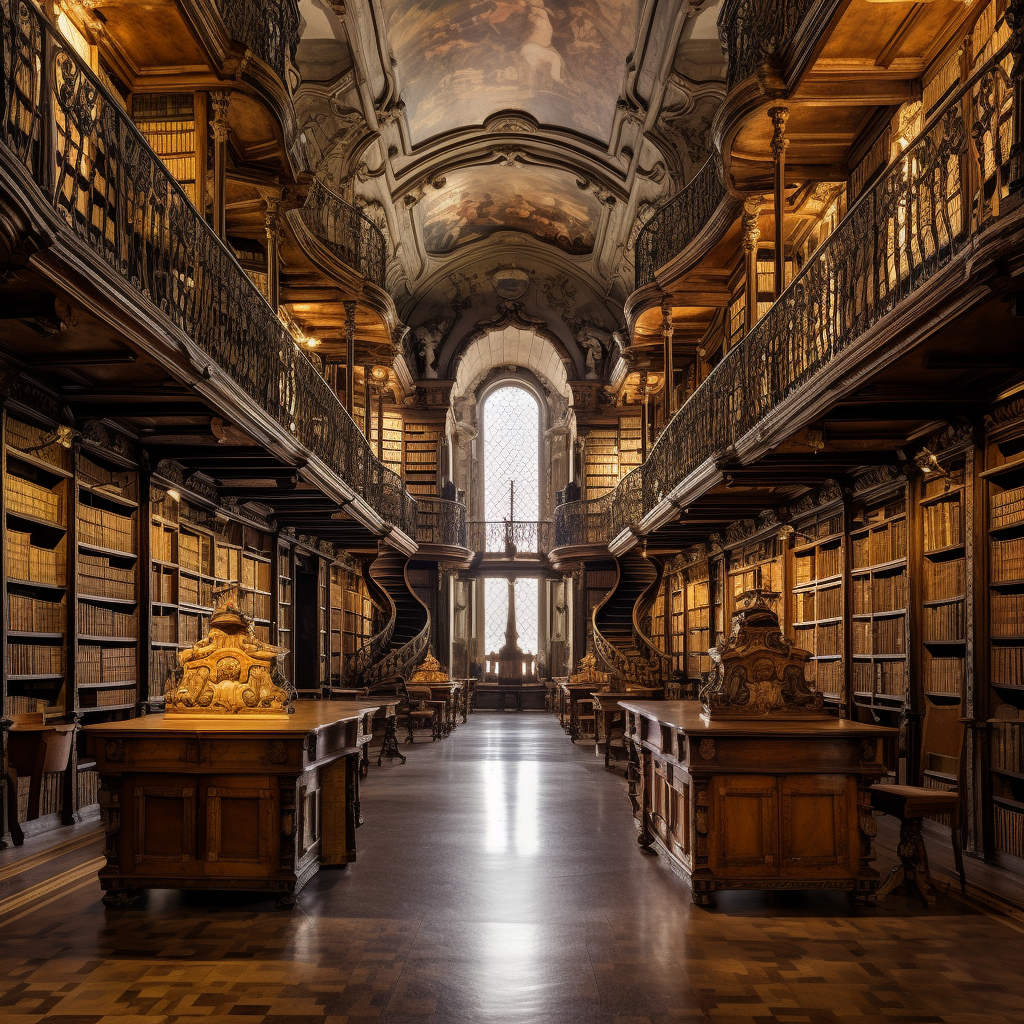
column 758, row 671
column 230, row 671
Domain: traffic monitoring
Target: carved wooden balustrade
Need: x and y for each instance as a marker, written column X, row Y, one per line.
column 529, row 537
column 269, row 28
column 926, row 209
column 578, row 523
column 349, row 234
column 759, row 30
column 440, row 521
column 679, row 221
column 97, row 172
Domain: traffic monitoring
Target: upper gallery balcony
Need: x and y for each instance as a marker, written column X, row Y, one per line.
column 441, row 530
column 81, row 187
column 918, row 239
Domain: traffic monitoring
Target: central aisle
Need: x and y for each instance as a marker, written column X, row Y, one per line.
column 499, row 882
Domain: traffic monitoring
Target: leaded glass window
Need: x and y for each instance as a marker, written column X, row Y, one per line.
column 496, row 613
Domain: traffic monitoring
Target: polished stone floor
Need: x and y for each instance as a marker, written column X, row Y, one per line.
column 498, row 880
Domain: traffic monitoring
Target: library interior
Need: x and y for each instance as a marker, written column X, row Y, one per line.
column 532, row 540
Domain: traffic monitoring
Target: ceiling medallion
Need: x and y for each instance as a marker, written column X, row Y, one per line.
column 510, row 282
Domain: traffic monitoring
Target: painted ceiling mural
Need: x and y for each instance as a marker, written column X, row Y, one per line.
column 463, row 60
column 477, row 201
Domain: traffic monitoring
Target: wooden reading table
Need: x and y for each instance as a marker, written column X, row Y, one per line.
column 229, row 802
column 755, row 804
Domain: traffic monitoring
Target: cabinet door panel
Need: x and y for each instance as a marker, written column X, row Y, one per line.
column 240, row 825
column 745, row 826
column 817, row 823
column 164, row 822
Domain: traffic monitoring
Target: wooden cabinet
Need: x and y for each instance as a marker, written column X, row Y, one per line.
column 755, row 804
column 231, row 803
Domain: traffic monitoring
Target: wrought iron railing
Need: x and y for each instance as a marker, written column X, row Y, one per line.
column 756, row 30
column 440, row 521
column 269, row 28
column 923, row 211
column 679, row 221
column 349, row 234
column 99, row 174
column 525, row 536
column 583, row 522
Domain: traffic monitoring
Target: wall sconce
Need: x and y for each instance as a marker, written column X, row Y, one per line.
column 928, row 462
column 379, row 374
column 173, row 494
column 786, row 531
column 62, row 437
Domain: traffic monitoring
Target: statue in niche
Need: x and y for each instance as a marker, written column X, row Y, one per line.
column 230, row 671
column 428, row 338
column 593, row 344
column 758, row 671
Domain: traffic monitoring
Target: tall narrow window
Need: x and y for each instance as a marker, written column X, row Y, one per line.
column 511, row 435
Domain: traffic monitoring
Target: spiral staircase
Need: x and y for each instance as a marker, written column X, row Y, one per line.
column 391, row 655
column 621, row 623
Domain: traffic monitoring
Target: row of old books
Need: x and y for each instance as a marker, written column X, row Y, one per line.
column 942, row 675
column 162, row 665
column 884, row 677
column 879, row 593
column 195, row 591
column 161, row 543
column 1008, row 826
column 881, row 545
column 164, row 628
column 255, row 574
column 943, row 524
column 828, row 639
column 34, row 615
column 256, row 606
column 32, row 499
column 880, row 636
column 1008, row 665
column 192, row 626
column 944, row 579
column 95, row 620
column 163, row 586
column 1007, row 560
column 112, row 698
column 194, row 552
column 51, row 794
column 1007, row 615
column 945, row 622
column 1006, row 508
column 35, row 660
column 98, row 578
column 27, row 438
column 1007, row 746
column 26, row 561
column 96, row 665
column 105, row 529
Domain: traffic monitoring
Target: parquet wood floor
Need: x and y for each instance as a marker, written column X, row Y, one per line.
column 498, row 882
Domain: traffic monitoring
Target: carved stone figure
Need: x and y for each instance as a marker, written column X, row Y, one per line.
column 593, row 343
column 429, row 337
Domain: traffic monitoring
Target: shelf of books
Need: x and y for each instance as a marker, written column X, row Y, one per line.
column 421, row 442
column 336, row 624
column 106, row 654
column 630, row 444
column 324, row 620
column 38, row 483
column 1004, row 487
column 357, row 619
column 698, row 620
column 601, row 466
column 944, row 620
column 390, row 452
column 677, row 621
column 285, row 606
column 818, row 560
column 878, row 581
column 168, row 122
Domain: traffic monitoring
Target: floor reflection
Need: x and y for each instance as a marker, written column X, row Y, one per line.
column 511, row 803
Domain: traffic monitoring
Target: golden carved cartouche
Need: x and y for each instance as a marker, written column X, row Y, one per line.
column 230, row 672
column 758, row 671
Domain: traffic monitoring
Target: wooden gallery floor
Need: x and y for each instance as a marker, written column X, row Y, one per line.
column 498, row 880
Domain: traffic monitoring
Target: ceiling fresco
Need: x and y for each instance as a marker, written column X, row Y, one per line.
column 462, row 60
column 478, row 201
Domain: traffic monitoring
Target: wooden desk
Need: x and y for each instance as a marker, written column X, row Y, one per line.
column 608, row 711
column 571, row 693
column 229, row 803
column 524, row 695
column 755, row 804
column 34, row 748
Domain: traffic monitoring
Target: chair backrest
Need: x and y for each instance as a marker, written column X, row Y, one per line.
column 585, row 706
column 417, row 694
column 943, row 738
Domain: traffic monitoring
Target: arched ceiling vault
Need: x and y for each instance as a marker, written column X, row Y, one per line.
column 509, row 133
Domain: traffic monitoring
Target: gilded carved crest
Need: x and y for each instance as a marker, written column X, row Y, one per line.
column 758, row 671
column 230, row 671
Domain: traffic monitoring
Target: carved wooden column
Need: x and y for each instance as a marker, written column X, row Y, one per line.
column 668, row 335
column 751, row 236
column 367, row 401
column 779, row 116
column 273, row 227
column 219, row 102
column 350, row 355
column 645, row 393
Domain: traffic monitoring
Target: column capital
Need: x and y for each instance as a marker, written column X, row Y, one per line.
column 779, row 116
column 220, row 100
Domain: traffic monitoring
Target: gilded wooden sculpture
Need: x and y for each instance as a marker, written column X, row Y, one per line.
column 230, row 671
column 758, row 670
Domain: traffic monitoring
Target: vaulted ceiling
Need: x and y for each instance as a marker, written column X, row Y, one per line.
column 487, row 134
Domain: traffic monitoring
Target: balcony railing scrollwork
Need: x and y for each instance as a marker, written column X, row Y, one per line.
column 440, row 521
column 527, row 537
column 926, row 209
column 578, row 523
column 269, row 28
column 756, row 30
column 678, row 222
column 349, row 234
column 97, row 172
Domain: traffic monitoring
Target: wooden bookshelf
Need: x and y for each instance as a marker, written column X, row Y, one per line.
column 818, row 595
column 390, row 452
column 880, row 596
column 285, row 629
column 630, row 444
column 421, row 444
column 698, row 620
column 601, row 464
column 676, row 594
column 168, row 122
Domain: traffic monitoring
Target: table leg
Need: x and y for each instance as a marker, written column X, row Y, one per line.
column 389, row 747
column 912, row 871
column 12, row 811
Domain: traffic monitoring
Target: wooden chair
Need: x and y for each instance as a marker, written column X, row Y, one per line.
column 942, row 748
column 419, row 710
column 586, row 720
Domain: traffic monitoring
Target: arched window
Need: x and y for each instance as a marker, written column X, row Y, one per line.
column 511, row 439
